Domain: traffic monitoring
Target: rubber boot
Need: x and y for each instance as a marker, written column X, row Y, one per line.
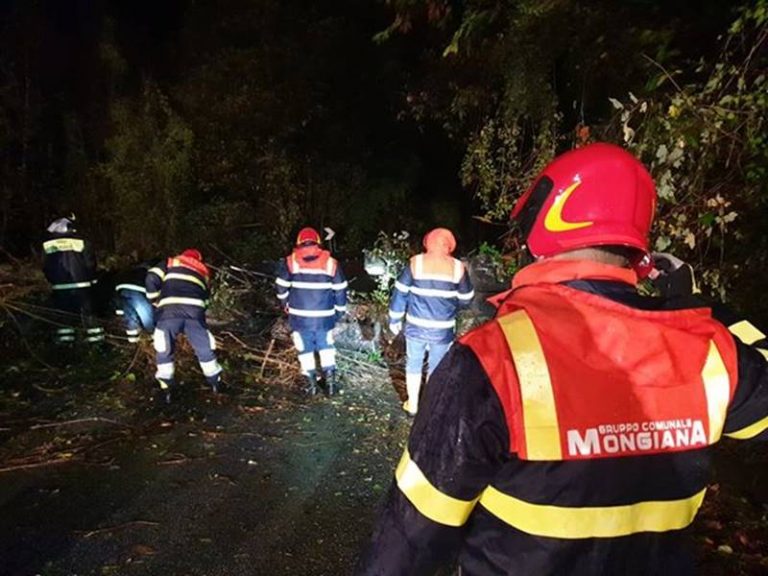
column 214, row 382
column 311, row 384
column 413, row 387
column 331, row 383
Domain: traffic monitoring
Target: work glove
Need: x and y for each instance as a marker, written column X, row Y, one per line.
column 395, row 327
column 672, row 277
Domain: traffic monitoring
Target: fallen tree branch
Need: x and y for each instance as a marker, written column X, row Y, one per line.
column 119, row 527
column 79, row 421
column 266, row 357
column 38, row 464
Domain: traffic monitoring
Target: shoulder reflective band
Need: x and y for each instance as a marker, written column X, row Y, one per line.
column 63, row 245
column 183, row 301
column 458, row 270
column 427, row 499
column 72, row 285
column 591, row 522
column 542, row 429
column 186, row 278
column 717, row 388
column 157, row 272
column 746, row 332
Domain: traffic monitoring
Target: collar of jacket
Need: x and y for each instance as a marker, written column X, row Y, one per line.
column 311, row 256
column 559, row 271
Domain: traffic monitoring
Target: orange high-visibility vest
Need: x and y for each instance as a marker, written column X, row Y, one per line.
column 585, row 377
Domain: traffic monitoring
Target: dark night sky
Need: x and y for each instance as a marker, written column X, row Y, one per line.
column 356, row 89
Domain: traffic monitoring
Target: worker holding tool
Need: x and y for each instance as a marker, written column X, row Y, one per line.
column 428, row 295
column 312, row 289
column 179, row 288
column 572, row 434
column 69, row 265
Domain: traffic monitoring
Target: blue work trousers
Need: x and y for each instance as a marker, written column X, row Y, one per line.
column 201, row 340
column 310, row 341
column 415, row 350
column 76, row 304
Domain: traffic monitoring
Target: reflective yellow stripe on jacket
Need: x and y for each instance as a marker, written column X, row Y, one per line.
column 540, row 422
column 593, row 521
column 748, row 334
column 542, row 442
column 427, row 499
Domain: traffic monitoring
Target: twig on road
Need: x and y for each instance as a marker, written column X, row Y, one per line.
column 119, row 527
column 79, row 421
column 38, row 464
column 266, row 357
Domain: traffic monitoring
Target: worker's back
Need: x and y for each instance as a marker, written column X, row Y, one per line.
column 610, row 409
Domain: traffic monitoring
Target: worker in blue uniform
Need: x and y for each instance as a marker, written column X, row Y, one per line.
column 131, row 302
column 311, row 286
column 179, row 289
column 69, row 265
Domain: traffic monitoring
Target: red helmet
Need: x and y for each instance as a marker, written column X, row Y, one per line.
column 308, row 236
column 439, row 240
column 598, row 195
column 192, row 253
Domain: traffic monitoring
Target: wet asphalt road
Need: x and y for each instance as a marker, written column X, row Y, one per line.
column 266, row 483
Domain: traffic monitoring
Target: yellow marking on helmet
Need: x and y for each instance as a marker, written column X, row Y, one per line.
column 554, row 221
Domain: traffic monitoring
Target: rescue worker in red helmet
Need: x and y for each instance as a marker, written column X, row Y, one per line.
column 311, row 286
column 428, row 295
column 179, row 288
column 571, row 434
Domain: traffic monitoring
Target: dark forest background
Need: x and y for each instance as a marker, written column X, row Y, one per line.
column 228, row 124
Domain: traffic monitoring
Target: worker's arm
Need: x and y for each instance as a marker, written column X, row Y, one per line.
column 339, row 286
column 747, row 417
column 89, row 259
column 458, row 442
column 283, row 283
column 153, row 282
column 748, row 412
column 466, row 290
column 399, row 302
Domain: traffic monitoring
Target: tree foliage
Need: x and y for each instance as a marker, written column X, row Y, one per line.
column 149, row 172
column 517, row 82
column 705, row 140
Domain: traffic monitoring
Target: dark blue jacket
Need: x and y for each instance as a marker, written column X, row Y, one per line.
column 178, row 288
column 461, row 450
column 68, row 261
column 311, row 284
column 429, row 299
